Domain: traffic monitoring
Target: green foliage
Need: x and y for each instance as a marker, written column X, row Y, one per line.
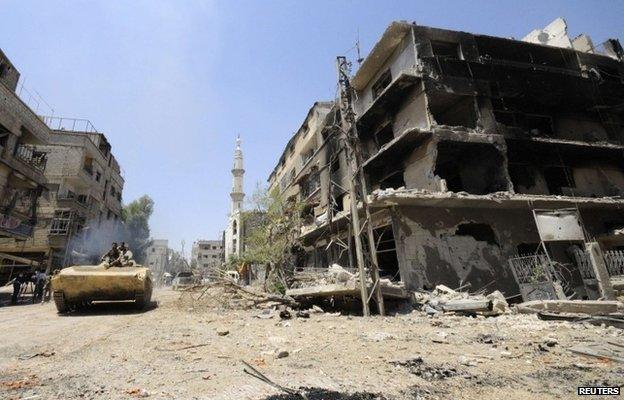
column 135, row 216
column 273, row 236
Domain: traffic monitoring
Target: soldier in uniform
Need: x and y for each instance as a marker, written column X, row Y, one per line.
column 112, row 255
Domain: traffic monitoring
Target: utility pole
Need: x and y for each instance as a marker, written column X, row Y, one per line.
column 354, row 160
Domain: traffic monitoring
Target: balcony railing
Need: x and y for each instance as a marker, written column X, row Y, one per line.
column 80, row 199
column 29, row 155
column 69, row 124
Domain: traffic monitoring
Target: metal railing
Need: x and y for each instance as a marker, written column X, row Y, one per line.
column 613, row 258
column 69, row 124
column 531, row 269
column 29, row 155
column 615, row 262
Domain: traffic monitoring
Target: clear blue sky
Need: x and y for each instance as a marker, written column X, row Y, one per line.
column 171, row 83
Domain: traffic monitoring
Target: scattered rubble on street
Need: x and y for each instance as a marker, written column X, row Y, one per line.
column 177, row 352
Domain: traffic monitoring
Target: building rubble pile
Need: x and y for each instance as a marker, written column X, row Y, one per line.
column 227, row 295
column 334, row 275
column 443, row 299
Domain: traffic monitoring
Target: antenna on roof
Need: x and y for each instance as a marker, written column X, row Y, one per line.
column 357, row 47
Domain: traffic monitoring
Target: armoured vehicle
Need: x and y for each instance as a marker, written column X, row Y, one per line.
column 81, row 285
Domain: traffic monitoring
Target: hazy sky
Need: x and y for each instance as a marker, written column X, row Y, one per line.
column 171, row 83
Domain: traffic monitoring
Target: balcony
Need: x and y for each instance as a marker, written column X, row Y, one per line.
column 29, row 155
column 78, row 199
column 88, row 169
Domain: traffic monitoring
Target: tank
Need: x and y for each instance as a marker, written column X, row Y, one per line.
column 79, row 285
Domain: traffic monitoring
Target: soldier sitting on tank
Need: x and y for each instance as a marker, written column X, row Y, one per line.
column 109, row 258
column 125, row 255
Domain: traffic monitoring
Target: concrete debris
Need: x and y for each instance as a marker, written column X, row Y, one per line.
column 418, row 367
column 227, row 295
column 444, row 299
column 336, row 281
column 379, row 336
column 281, row 354
column 316, row 309
column 608, row 350
column 589, row 307
column 303, row 314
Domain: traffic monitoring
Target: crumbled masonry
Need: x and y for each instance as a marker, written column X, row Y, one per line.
column 463, row 137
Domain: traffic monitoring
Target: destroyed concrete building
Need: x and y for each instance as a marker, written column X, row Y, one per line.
column 463, row 137
column 22, row 165
column 61, row 186
column 80, row 215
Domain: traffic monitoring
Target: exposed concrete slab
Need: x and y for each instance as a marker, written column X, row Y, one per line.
column 591, row 307
column 348, row 289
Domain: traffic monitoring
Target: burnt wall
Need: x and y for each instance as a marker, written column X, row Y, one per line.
column 472, row 245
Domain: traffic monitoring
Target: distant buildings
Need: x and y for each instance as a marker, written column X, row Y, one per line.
column 208, row 255
column 157, row 258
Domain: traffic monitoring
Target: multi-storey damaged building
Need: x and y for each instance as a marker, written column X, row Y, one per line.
column 61, row 186
column 80, row 215
column 463, row 136
column 22, row 162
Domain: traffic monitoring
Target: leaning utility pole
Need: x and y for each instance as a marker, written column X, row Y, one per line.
column 351, row 144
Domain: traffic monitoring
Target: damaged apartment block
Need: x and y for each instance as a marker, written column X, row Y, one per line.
column 464, row 136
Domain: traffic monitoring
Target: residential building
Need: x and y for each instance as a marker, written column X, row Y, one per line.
column 208, row 255
column 463, row 137
column 22, row 168
column 81, row 214
column 22, row 162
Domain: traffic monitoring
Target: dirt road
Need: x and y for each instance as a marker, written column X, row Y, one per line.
column 172, row 352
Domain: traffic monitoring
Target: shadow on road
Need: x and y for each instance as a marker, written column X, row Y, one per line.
column 109, row 308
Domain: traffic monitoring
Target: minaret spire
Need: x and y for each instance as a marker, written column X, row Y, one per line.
column 237, row 194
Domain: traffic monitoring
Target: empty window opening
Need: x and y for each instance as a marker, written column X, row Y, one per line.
column 395, row 180
column 534, row 124
column 382, row 82
column 446, row 49
column 453, row 110
column 528, row 249
column 335, row 166
column 480, row 232
column 61, row 222
column 523, row 177
column 386, row 253
column 558, row 178
column 384, row 135
column 471, row 167
column 564, row 170
column 338, row 203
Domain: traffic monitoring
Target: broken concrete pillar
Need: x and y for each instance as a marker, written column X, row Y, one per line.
column 600, row 269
